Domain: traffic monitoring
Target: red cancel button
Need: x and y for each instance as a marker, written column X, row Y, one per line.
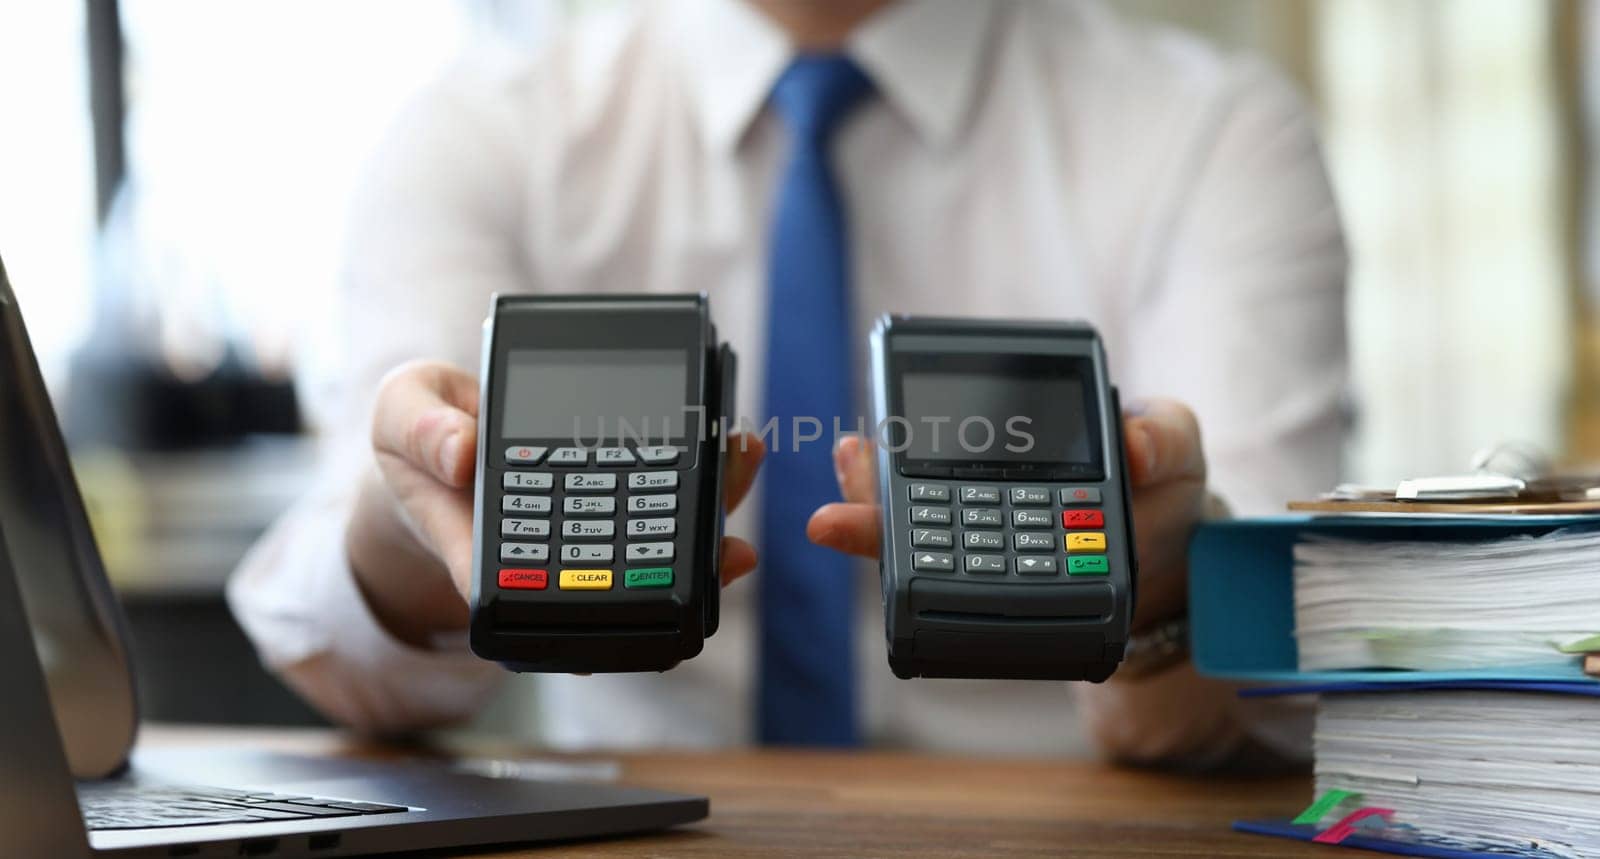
column 524, row 580
column 1083, row 519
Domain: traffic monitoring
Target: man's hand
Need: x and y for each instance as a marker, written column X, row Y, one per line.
column 410, row 539
column 1168, row 472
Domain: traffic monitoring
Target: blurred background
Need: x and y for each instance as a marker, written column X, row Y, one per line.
column 174, row 173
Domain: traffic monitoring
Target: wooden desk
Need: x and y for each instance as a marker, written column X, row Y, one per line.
column 906, row 805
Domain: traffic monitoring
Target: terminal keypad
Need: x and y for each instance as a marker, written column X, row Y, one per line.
column 592, row 534
column 1029, row 531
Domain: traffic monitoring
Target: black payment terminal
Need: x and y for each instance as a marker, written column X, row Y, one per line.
column 599, row 482
column 1007, row 535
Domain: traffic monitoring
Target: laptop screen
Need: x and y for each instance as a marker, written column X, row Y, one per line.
column 76, row 623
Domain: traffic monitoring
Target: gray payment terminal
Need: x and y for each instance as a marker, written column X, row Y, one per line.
column 1007, row 547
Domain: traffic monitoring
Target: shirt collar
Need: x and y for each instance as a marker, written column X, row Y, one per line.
column 924, row 56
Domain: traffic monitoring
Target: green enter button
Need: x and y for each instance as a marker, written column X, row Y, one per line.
column 648, row 577
column 1087, row 565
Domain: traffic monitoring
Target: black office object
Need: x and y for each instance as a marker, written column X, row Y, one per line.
column 1007, row 546
column 599, row 482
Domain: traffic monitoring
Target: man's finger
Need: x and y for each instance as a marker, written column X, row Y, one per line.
column 1163, row 440
column 853, row 467
column 438, row 516
column 745, row 452
column 426, row 415
column 452, row 533
column 738, row 558
column 849, row 527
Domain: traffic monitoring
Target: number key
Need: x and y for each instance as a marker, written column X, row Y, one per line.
column 665, row 526
column 571, row 553
column 981, row 516
column 982, row 540
column 980, row 495
column 1031, row 518
column 930, row 516
column 588, row 506
column 1033, row 542
column 579, row 529
column 1030, row 496
column 524, row 481
column 591, row 482
column 928, row 538
column 653, row 504
column 657, row 480
column 986, row 564
column 536, row 528
column 524, row 504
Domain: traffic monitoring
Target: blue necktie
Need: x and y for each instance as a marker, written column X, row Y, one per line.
column 807, row 682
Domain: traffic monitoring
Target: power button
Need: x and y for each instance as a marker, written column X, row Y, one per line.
column 1071, row 495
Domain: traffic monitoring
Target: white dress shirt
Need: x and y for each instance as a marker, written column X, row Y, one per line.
column 1020, row 159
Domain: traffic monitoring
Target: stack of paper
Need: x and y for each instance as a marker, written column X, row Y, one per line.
column 1513, row 771
column 1516, row 601
column 1446, row 653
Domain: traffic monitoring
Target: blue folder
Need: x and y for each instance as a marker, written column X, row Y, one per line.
column 1379, row 843
column 1241, row 593
column 1241, row 610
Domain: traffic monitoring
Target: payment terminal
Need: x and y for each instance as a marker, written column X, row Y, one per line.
column 1007, row 536
column 599, row 482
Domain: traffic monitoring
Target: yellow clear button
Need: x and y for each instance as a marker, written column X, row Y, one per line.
column 586, row 580
column 1084, row 541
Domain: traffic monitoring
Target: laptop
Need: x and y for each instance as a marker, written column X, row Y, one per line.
column 71, row 784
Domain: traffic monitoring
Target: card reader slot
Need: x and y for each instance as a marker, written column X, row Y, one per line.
column 1011, row 603
column 964, row 617
column 942, row 653
column 546, row 616
column 583, row 631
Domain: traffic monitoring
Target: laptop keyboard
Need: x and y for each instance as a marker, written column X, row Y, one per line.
column 131, row 807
